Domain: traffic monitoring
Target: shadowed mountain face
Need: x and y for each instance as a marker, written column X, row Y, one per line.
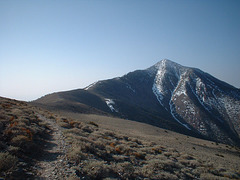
column 167, row 95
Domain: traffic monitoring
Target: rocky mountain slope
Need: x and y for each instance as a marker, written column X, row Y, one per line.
column 167, row 95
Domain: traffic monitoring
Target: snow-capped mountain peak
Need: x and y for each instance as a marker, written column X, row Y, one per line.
column 164, row 65
column 167, row 76
column 195, row 98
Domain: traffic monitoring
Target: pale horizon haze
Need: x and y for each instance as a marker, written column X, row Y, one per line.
column 51, row 46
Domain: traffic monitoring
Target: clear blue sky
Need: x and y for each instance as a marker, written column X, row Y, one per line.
column 49, row 46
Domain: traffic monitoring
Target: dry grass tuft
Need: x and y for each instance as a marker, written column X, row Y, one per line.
column 76, row 155
column 93, row 123
column 7, row 161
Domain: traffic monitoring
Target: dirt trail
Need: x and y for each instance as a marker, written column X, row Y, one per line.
column 53, row 164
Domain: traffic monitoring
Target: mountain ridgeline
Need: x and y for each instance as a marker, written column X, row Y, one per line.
column 166, row 95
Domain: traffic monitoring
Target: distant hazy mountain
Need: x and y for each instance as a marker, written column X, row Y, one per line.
column 167, row 95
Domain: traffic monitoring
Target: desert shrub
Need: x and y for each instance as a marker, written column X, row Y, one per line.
column 167, row 154
column 70, row 137
column 3, row 117
column 155, row 168
column 28, row 132
column 13, row 149
column 220, row 155
column 51, row 117
column 43, row 125
column 98, row 149
column 166, row 175
column 7, row 161
column 112, row 144
column 120, row 149
column 64, row 120
column 96, row 169
column 151, row 168
column 86, row 147
column 137, row 141
column 64, row 124
column 175, row 154
column 125, row 138
column 140, row 155
column 193, row 163
column 87, row 129
column 158, row 149
column 200, row 170
column 98, row 144
column 120, row 158
column 12, row 118
column 25, row 144
column 109, row 134
column 189, row 175
column 230, row 175
column 21, row 123
column 125, row 170
column 187, row 156
column 19, row 140
column 74, row 131
column 172, row 150
column 169, row 165
column 207, row 176
column 132, row 144
column 73, row 177
column 75, row 155
column 75, row 124
column 93, row 123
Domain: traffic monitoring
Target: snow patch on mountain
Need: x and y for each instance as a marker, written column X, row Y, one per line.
column 174, row 114
column 157, row 88
column 208, row 98
column 168, row 73
column 158, row 94
column 110, row 103
column 160, row 90
column 91, row 85
column 181, row 86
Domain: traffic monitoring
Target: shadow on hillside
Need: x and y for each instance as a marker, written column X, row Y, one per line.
column 48, row 153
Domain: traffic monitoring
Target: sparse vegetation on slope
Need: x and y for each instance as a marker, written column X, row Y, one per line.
column 21, row 135
column 39, row 144
column 96, row 153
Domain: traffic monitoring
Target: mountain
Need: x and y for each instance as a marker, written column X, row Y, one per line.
column 166, row 95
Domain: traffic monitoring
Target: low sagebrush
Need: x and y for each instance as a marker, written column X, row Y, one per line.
column 75, row 155
column 7, row 161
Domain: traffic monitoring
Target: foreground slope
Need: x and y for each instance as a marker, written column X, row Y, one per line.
column 121, row 149
column 22, row 136
column 81, row 146
column 167, row 95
